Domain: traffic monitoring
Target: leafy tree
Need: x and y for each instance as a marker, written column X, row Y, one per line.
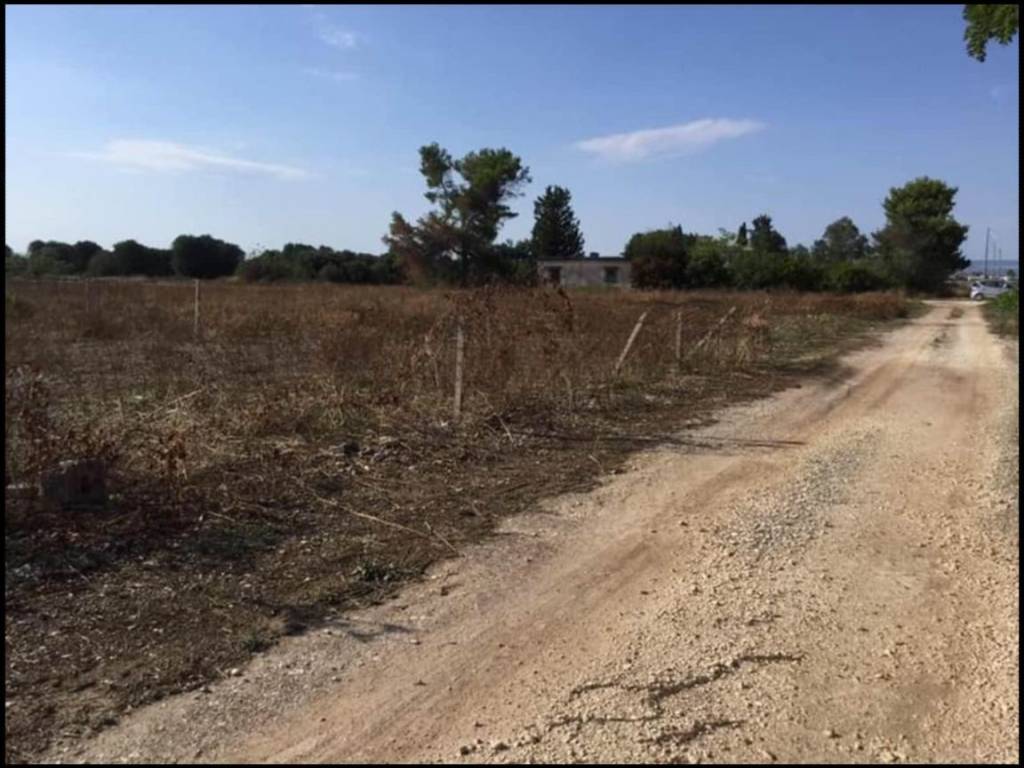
column 387, row 270
column 52, row 257
column 797, row 270
column 920, row 243
column 103, row 264
column 49, row 261
column 763, row 264
column 987, row 22
column 14, row 263
column 471, row 196
column 512, row 262
column 800, row 271
column 332, row 273
column 707, row 264
column 82, row 251
column 741, row 235
column 298, row 261
column 556, row 230
column 751, row 271
column 133, row 258
column 271, row 266
column 854, row 277
column 764, row 239
column 204, row 256
column 313, row 260
column 424, row 250
column 658, row 258
column 294, row 250
column 842, row 241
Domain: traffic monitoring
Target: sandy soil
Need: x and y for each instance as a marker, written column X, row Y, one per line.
column 828, row 575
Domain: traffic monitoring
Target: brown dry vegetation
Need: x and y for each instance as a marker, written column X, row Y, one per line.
column 301, row 456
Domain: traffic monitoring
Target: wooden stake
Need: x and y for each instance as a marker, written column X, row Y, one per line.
column 679, row 337
column 629, row 344
column 195, row 313
column 460, row 345
column 711, row 332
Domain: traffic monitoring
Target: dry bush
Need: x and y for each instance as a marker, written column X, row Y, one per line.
column 315, row 365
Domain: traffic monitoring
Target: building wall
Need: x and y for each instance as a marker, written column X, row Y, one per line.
column 578, row 273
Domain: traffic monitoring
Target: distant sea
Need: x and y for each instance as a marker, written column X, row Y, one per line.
column 995, row 266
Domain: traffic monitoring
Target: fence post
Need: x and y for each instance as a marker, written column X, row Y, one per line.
column 460, row 345
column 195, row 312
column 711, row 332
column 629, row 344
column 679, row 337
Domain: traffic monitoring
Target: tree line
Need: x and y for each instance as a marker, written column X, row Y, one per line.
column 202, row 256
column 917, row 249
column 457, row 243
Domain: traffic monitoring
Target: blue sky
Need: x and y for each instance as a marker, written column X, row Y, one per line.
column 269, row 124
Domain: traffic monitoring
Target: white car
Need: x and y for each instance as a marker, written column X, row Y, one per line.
column 987, row 289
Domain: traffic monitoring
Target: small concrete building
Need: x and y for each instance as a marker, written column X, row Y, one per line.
column 595, row 270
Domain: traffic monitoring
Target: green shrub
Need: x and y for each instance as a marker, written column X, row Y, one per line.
column 855, row 277
column 801, row 273
column 1004, row 313
column 103, row 264
column 707, row 266
column 15, row 263
column 273, row 266
column 45, row 262
column 658, row 258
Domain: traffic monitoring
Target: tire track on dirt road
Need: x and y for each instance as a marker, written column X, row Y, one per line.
column 843, row 589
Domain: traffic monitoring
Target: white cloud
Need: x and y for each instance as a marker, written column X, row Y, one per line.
column 336, row 36
column 340, row 76
column 167, row 156
column 672, row 140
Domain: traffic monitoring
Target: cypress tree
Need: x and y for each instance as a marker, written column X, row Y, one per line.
column 556, row 230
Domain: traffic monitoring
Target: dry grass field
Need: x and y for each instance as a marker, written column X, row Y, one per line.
column 300, row 454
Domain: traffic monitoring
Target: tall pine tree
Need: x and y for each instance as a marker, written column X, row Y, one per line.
column 556, row 230
column 920, row 242
column 764, row 238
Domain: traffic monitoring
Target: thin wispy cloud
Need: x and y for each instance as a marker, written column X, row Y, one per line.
column 338, row 37
column 681, row 139
column 332, row 34
column 170, row 157
column 338, row 75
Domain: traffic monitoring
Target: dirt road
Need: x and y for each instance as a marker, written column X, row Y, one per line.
column 828, row 575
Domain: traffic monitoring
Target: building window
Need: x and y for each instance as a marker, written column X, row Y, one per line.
column 611, row 275
column 555, row 275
